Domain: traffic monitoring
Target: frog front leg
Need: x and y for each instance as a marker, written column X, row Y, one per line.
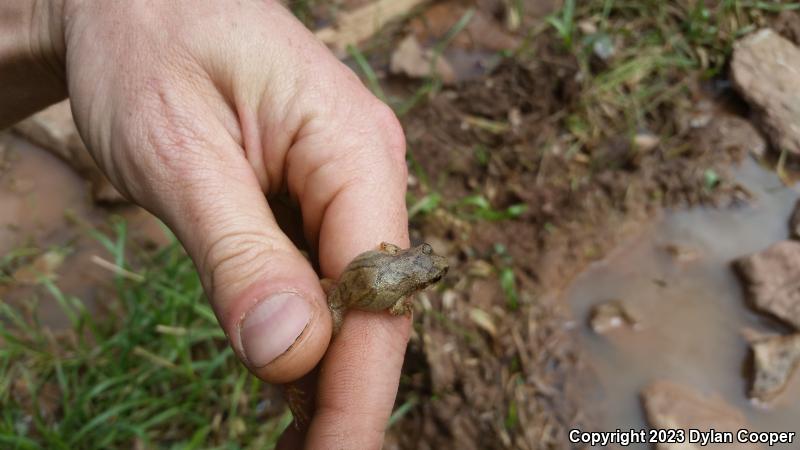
column 402, row 307
column 335, row 304
column 389, row 249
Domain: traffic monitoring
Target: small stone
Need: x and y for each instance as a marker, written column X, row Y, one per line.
column 775, row 358
column 772, row 280
column 611, row 315
column 765, row 70
column 644, row 142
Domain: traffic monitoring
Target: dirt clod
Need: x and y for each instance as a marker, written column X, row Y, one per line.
column 772, row 280
column 775, row 358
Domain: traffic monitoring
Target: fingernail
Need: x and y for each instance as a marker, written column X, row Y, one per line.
column 272, row 326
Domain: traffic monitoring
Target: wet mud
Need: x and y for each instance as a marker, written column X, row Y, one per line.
column 691, row 312
column 46, row 209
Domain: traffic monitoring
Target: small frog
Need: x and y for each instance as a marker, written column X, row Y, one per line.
column 382, row 279
column 375, row 280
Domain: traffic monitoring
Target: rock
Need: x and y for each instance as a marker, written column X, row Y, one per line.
column 794, row 222
column 410, row 59
column 671, row 405
column 54, row 130
column 610, row 315
column 774, row 359
column 765, row 69
column 772, row 280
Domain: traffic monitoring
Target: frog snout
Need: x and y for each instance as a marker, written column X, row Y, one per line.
column 440, row 275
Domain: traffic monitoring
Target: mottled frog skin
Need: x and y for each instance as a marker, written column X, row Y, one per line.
column 382, row 279
column 376, row 280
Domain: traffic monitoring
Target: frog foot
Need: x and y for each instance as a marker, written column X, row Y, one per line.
column 402, row 307
column 390, row 249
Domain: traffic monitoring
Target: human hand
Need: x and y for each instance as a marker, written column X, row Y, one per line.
column 196, row 110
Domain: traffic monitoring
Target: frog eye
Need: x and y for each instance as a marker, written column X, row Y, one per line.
column 427, row 249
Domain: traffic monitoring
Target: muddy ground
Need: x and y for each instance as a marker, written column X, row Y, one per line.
column 521, row 195
column 517, row 383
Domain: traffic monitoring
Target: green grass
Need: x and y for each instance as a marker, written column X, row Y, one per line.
column 155, row 370
column 659, row 50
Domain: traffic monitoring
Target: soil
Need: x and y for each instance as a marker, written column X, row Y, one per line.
column 521, row 388
column 45, row 210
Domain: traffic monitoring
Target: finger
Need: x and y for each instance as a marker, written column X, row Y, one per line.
column 360, row 373
column 265, row 294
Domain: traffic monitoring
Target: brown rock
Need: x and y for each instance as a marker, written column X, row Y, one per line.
column 774, row 359
column 766, row 71
column 772, row 280
column 671, row 405
column 54, row 130
column 794, row 222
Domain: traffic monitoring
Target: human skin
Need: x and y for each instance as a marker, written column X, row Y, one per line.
column 198, row 110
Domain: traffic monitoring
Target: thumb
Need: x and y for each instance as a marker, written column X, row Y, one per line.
column 264, row 292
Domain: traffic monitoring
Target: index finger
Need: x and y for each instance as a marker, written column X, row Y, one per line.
column 360, row 373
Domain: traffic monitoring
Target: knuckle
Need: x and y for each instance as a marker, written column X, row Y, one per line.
column 390, row 132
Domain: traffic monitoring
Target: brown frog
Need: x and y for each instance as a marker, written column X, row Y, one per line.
column 383, row 279
column 375, row 280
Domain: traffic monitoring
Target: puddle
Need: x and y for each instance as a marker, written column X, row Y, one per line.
column 691, row 311
column 36, row 191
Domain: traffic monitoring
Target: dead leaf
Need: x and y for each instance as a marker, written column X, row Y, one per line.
column 411, row 60
column 44, row 266
column 355, row 26
column 483, row 320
